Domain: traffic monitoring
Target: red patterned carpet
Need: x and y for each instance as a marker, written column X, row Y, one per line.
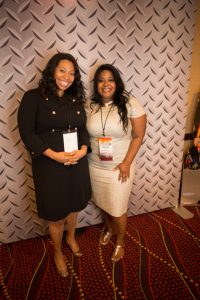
column 162, row 261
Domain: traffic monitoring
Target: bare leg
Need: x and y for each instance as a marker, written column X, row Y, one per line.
column 56, row 232
column 119, row 224
column 71, row 220
column 106, row 236
column 108, row 221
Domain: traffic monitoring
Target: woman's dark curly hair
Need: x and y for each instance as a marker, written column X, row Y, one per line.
column 120, row 96
column 48, row 83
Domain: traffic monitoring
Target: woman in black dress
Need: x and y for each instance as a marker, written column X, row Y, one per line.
column 52, row 125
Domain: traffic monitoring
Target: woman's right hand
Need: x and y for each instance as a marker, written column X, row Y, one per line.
column 66, row 158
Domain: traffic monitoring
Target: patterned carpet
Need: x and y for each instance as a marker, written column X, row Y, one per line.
column 162, row 261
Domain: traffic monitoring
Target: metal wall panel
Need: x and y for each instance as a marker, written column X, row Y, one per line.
column 149, row 41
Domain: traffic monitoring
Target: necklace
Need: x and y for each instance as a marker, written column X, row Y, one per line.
column 108, row 103
column 104, row 125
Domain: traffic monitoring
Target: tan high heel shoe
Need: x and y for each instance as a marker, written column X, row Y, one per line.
column 77, row 252
column 118, row 253
column 61, row 271
column 105, row 238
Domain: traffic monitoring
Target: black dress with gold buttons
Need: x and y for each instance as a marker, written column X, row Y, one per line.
column 42, row 121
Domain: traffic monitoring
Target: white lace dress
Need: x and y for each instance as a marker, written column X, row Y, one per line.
column 109, row 194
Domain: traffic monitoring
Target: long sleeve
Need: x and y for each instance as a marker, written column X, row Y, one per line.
column 84, row 138
column 26, row 123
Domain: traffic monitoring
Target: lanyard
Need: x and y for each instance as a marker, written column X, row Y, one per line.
column 104, row 125
column 70, row 114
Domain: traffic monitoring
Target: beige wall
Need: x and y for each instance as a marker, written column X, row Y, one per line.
column 194, row 83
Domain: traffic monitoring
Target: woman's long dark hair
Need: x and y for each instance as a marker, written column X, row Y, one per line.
column 120, row 96
column 47, row 84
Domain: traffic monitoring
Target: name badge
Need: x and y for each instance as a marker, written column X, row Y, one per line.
column 105, row 148
column 70, row 140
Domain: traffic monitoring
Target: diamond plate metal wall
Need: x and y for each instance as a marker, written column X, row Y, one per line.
column 150, row 42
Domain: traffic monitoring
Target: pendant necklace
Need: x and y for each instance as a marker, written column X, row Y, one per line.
column 108, row 103
column 104, row 124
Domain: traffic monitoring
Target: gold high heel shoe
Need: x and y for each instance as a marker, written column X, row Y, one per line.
column 118, row 253
column 105, row 238
column 62, row 272
column 77, row 252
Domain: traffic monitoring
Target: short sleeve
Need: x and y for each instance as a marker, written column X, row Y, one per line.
column 135, row 109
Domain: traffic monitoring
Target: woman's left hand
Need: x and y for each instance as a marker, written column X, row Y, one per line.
column 138, row 128
column 124, row 171
column 74, row 156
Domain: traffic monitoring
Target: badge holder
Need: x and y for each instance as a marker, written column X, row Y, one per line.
column 70, row 140
column 105, row 148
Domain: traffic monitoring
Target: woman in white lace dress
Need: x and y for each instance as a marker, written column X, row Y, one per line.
column 116, row 122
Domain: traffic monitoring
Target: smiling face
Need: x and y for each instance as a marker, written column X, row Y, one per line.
column 64, row 75
column 106, row 85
